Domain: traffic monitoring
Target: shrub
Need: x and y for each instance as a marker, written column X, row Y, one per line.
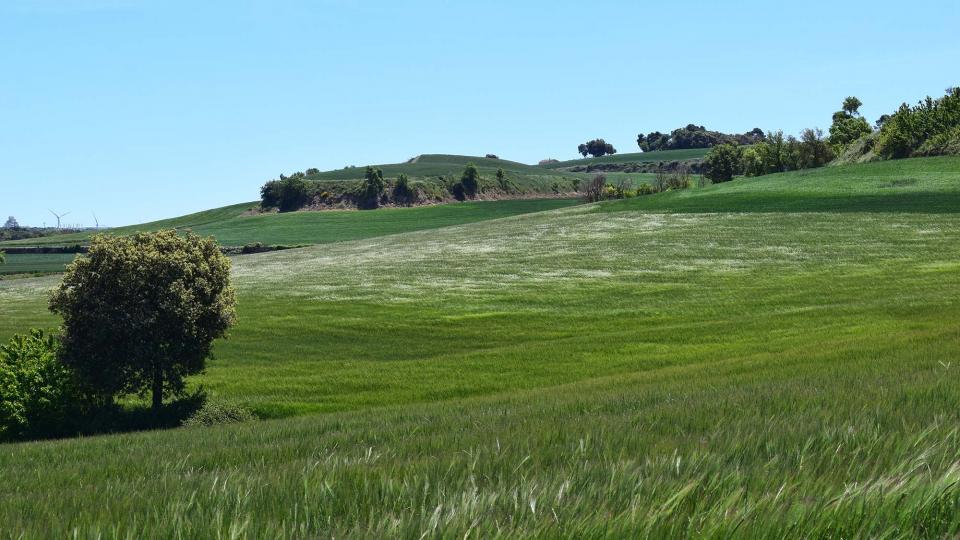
column 286, row 194
column 214, row 413
column 402, row 192
column 597, row 189
column 470, row 180
column 37, row 392
column 723, row 162
column 931, row 127
column 371, row 190
column 645, row 189
column 492, row 156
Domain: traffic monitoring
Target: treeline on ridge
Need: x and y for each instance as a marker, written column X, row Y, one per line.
column 295, row 192
column 694, row 136
column 930, row 128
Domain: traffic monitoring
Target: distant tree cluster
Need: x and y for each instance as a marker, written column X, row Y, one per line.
column 694, row 136
column 774, row 154
column 596, row 148
column 932, row 127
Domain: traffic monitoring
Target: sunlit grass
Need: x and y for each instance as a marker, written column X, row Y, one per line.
column 596, row 371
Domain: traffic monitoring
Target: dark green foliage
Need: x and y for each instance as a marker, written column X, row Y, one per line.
column 848, row 126
column 37, row 392
column 141, row 312
column 846, row 130
column 693, row 136
column 287, row 194
column 371, row 190
column 724, row 162
column 458, row 192
column 470, row 180
column 780, row 154
column 932, row 127
column 851, row 105
column 402, row 192
column 596, row 148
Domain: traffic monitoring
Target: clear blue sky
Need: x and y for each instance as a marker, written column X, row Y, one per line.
column 145, row 109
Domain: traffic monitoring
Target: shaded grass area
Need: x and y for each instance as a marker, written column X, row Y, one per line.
column 930, row 185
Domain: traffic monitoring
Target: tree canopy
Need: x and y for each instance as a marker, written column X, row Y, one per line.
column 596, row 148
column 141, row 312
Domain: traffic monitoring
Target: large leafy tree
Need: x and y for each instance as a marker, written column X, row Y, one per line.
column 723, row 162
column 848, row 126
column 140, row 313
column 596, row 148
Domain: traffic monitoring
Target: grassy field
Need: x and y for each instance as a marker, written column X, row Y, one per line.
column 432, row 165
column 648, row 367
column 638, row 157
column 39, row 263
column 235, row 226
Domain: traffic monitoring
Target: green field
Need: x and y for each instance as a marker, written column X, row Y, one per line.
column 774, row 357
column 39, row 263
column 433, row 165
column 236, row 226
column 638, row 157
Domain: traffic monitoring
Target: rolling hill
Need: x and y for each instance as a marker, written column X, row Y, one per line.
column 638, row 157
column 761, row 358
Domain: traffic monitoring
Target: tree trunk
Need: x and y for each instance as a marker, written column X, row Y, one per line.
column 157, row 390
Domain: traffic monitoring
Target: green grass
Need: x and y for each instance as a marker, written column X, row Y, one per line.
column 39, row 263
column 639, row 157
column 433, row 165
column 614, row 370
column 234, row 225
column 925, row 185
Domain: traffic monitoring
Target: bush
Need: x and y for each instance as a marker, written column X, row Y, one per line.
column 286, row 194
column 932, row 127
column 214, row 413
column 470, row 180
column 371, row 190
column 402, row 192
column 492, row 156
column 645, row 189
column 597, row 189
column 37, row 392
column 723, row 162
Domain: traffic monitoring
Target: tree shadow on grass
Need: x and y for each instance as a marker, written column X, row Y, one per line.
column 118, row 418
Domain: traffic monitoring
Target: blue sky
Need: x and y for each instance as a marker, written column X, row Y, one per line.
column 144, row 109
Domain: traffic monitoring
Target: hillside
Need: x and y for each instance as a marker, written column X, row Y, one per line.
column 665, row 156
column 432, row 165
column 752, row 359
column 236, row 226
